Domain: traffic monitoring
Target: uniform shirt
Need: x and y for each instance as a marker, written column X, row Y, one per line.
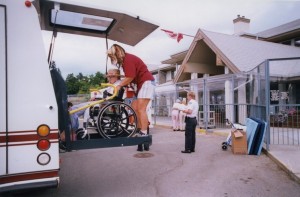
column 135, row 68
column 193, row 105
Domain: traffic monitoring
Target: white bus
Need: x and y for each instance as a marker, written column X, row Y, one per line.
column 29, row 125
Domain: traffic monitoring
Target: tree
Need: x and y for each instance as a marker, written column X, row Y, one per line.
column 80, row 76
column 82, row 84
column 97, row 79
column 72, row 84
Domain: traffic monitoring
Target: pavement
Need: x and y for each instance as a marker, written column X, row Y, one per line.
column 287, row 157
column 164, row 171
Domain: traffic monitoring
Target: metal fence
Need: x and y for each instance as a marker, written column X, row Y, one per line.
column 270, row 92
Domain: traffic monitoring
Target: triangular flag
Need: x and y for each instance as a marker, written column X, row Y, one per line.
column 171, row 34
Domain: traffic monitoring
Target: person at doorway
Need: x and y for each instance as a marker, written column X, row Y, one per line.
column 190, row 123
column 175, row 115
column 135, row 71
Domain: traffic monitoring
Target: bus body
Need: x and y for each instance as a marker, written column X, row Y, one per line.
column 29, row 134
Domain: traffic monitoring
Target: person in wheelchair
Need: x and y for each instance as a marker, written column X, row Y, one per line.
column 111, row 118
column 114, row 77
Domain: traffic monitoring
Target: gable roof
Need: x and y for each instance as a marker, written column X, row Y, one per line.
column 175, row 58
column 279, row 30
column 239, row 53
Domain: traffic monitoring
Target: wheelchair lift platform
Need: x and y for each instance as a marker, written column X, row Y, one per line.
column 107, row 143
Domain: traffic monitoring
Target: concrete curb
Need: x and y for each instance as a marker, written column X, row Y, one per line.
column 282, row 166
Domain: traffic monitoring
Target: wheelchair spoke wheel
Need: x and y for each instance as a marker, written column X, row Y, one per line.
column 117, row 119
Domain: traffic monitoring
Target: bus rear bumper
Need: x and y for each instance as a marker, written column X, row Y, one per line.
column 29, row 185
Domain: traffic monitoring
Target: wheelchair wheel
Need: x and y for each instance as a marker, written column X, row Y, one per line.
column 116, row 119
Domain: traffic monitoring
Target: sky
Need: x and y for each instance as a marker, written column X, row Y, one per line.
column 74, row 54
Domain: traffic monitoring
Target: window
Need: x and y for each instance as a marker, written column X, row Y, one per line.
column 82, row 21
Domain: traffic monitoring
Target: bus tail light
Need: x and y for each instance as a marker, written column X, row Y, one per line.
column 43, row 144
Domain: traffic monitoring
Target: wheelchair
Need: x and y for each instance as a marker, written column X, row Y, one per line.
column 109, row 118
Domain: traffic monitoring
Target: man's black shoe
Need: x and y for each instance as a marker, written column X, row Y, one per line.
column 186, row 151
column 192, row 151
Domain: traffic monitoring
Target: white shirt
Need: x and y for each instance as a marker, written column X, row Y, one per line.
column 110, row 90
column 193, row 105
column 182, row 107
column 176, row 106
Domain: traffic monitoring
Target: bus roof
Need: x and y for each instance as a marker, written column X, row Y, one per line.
column 91, row 21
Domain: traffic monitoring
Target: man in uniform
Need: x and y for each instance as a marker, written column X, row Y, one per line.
column 190, row 123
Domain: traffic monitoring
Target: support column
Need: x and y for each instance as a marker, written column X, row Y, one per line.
column 228, row 98
column 242, row 113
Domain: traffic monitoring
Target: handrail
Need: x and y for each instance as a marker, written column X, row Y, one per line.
column 97, row 102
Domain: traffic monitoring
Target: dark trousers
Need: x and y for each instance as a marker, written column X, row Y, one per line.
column 190, row 135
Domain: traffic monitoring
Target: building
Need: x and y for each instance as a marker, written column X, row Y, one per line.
column 215, row 55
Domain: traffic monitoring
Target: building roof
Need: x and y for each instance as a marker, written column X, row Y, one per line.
column 153, row 67
column 175, row 58
column 238, row 53
column 282, row 29
column 245, row 53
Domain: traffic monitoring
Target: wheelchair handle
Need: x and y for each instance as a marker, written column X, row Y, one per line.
column 97, row 102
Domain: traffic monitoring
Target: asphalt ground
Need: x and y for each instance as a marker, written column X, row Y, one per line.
column 287, row 157
column 164, row 171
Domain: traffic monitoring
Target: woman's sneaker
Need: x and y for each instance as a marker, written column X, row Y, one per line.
column 141, row 134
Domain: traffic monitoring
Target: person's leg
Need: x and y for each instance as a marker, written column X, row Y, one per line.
column 180, row 120
column 149, row 114
column 177, row 121
column 188, row 135
column 174, row 120
column 140, row 106
column 144, row 97
column 135, row 107
column 142, row 115
column 183, row 121
column 193, row 139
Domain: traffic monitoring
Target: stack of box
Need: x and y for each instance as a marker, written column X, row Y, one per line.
column 239, row 142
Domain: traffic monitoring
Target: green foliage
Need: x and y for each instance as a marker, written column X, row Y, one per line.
column 82, row 84
column 72, row 84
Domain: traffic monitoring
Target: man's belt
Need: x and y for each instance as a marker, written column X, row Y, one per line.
column 190, row 117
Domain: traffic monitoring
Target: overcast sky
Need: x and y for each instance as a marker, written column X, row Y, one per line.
column 74, row 54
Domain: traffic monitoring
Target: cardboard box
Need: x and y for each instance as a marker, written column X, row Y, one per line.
column 239, row 142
